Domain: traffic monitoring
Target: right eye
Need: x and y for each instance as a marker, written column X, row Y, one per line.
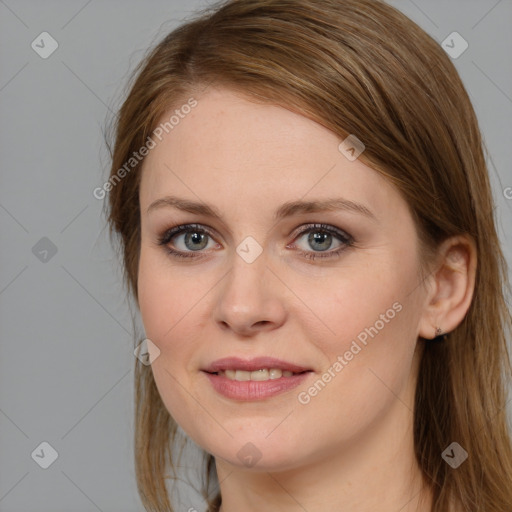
column 194, row 238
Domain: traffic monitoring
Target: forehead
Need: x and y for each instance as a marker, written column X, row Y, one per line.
column 230, row 150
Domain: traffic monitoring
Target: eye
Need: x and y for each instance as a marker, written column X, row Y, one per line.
column 321, row 237
column 188, row 238
column 191, row 240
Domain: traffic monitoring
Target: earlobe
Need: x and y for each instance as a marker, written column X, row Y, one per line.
column 451, row 293
column 439, row 335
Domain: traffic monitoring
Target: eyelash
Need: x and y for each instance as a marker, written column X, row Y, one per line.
column 343, row 237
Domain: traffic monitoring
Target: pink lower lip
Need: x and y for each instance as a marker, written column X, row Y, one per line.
column 254, row 390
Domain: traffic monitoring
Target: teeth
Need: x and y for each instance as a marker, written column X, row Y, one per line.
column 259, row 375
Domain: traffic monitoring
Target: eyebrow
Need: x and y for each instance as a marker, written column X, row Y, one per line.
column 286, row 210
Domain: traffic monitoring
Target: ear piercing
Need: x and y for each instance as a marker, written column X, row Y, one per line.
column 439, row 336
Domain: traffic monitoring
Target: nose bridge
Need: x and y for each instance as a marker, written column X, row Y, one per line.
column 248, row 296
column 247, row 281
column 248, row 263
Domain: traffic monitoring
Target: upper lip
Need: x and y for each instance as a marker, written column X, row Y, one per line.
column 236, row 363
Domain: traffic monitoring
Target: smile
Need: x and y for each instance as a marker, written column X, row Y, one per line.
column 258, row 375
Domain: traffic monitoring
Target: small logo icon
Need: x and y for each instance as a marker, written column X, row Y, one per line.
column 44, row 250
column 146, row 352
column 249, row 455
column 45, row 455
column 455, row 45
column 249, row 249
column 44, row 45
column 351, row 148
column 455, row 455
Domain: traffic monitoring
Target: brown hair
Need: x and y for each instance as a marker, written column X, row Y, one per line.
column 356, row 67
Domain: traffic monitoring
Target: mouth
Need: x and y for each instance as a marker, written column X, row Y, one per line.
column 260, row 375
column 254, row 379
column 258, row 367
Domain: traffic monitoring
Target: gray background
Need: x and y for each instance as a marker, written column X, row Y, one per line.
column 66, row 373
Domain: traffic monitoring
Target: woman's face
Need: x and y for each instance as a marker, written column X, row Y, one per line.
column 246, row 286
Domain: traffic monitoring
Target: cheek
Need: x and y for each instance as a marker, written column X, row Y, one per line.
column 170, row 304
column 166, row 307
column 161, row 299
column 151, row 302
column 368, row 360
column 348, row 304
column 365, row 321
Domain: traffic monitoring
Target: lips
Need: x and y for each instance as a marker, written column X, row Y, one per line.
column 257, row 363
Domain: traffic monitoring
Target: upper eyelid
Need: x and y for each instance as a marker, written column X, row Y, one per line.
column 299, row 231
column 304, row 228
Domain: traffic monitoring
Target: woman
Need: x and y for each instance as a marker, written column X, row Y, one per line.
column 306, row 223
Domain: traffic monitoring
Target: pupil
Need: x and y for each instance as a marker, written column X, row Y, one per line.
column 196, row 238
column 324, row 238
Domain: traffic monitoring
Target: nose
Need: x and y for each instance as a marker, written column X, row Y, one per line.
column 250, row 298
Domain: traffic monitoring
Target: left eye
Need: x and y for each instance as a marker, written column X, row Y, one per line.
column 321, row 238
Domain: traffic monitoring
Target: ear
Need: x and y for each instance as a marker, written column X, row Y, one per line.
column 450, row 287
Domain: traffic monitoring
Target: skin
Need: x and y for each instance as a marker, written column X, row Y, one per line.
column 351, row 447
